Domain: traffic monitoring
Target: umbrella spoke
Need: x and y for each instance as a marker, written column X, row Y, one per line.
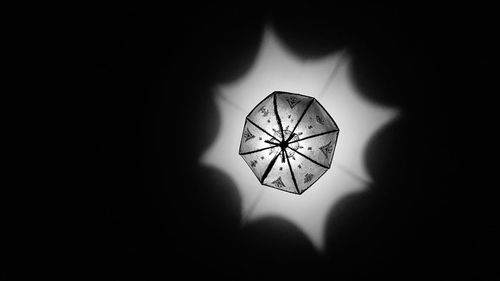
column 263, row 130
column 258, row 150
column 278, row 119
column 308, row 158
column 291, row 171
column 269, row 167
column 270, row 142
column 302, row 116
column 290, row 137
column 313, row 136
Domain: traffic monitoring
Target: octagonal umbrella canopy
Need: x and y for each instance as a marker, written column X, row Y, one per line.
column 288, row 141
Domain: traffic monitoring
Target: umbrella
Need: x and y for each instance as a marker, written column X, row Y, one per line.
column 288, row 141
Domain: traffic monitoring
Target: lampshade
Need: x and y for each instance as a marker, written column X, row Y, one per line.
column 288, row 141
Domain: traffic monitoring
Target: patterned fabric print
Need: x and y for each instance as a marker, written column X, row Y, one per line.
column 292, row 101
column 327, row 149
column 278, row 183
column 248, row 135
column 308, row 177
column 264, row 111
column 320, row 120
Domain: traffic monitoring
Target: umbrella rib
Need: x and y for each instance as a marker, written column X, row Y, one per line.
column 278, row 119
column 291, row 171
column 314, row 161
column 257, row 150
column 301, row 116
column 333, row 74
column 352, row 173
column 269, row 167
column 262, row 130
column 313, row 136
column 231, row 103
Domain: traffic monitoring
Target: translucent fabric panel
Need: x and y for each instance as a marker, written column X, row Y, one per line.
column 318, row 148
column 253, row 138
column 263, row 115
column 305, row 171
column 280, row 176
column 290, row 108
column 259, row 161
column 315, row 121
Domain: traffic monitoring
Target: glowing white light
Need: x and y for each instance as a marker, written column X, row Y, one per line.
column 277, row 69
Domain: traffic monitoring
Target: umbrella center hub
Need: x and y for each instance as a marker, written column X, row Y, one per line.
column 284, row 144
column 283, row 141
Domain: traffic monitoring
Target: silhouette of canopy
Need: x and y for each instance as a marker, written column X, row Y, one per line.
column 288, row 141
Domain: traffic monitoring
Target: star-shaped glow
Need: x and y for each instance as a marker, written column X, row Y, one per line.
column 277, row 69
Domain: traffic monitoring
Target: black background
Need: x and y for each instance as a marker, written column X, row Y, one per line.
column 136, row 111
